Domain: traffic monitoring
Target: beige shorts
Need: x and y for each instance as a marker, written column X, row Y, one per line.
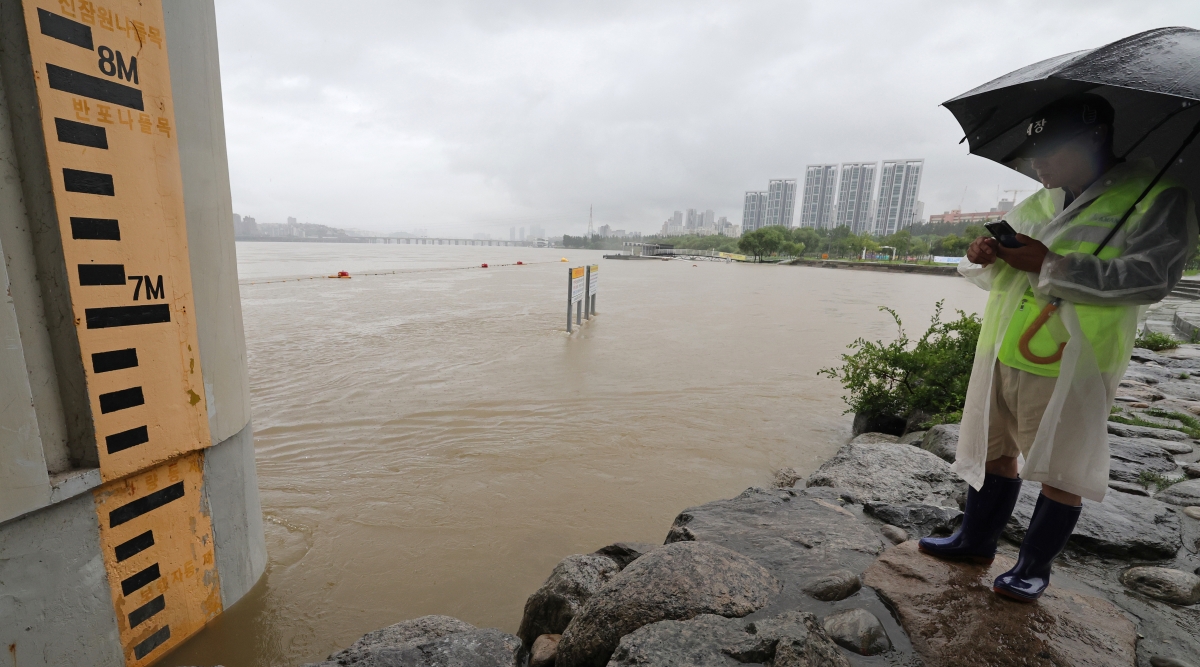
column 1018, row 401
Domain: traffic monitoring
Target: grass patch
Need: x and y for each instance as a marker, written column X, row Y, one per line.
column 1191, row 431
column 1191, row 425
column 1155, row 341
column 1159, row 480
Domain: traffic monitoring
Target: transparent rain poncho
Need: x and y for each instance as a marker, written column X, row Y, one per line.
column 1070, row 451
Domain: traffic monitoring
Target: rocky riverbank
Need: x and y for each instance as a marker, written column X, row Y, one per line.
column 824, row 571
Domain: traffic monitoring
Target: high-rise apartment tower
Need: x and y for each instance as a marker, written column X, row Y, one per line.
column 816, row 208
column 899, row 187
column 855, row 188
column 753, row 211
column 781, row 202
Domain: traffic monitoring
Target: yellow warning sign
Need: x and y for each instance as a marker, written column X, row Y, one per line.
column 105, row 93
column 158, row 550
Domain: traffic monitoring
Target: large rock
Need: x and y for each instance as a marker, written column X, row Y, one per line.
column 793, row 639
column 570, row 584
column 798, row 534
column 1130, row 431
column 1163, row 583
column 1123, row 525
column 1131, row 457
column 942, row 441
column 921, row 520
column 676, row 582
column 955, row 620
column 857, row 630
column 1184, row 493
column 430, row 641
column 891, row 474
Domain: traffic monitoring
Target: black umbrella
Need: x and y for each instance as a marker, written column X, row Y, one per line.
column 1152, row 80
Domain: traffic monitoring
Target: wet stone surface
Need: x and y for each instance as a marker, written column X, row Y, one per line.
column 888, row 473
column 955, row 620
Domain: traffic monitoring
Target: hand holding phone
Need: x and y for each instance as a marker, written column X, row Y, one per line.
column 1004, row 233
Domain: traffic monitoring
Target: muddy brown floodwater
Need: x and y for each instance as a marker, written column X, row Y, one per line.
column 432, row 441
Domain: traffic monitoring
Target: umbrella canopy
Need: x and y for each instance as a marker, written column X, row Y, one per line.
column 1152, row 80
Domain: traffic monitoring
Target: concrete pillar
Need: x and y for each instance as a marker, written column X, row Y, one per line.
column 69, row 535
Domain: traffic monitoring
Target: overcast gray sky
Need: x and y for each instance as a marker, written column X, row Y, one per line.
column 473, row 116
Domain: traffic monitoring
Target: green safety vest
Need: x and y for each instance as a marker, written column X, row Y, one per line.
column 1083, row 235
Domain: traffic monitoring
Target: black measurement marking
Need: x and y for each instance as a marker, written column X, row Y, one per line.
column 139, row 615
column 152, row 642
column 88, row 182
column 133, row 510
column 113, row 63
column 82, row 134
column 91, row 275
column 153, row 291
column 63, row 28
column 118, row 442
column 103, row 362
column 130, row 548
column 121, row 400
column 126, row 316
column 140, row 579
column 99, row 229
column 86, row 85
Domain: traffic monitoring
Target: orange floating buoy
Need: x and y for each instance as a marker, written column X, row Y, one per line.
column 483, row 266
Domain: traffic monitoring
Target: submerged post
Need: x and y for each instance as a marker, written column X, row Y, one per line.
column 570, row 286
column 586, row 303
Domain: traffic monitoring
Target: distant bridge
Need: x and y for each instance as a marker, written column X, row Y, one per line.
column 391, row 240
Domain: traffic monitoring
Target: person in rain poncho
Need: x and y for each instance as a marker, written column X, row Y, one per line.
column 1057, row 333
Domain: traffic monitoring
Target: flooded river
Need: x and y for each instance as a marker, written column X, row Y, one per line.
column 432, row 442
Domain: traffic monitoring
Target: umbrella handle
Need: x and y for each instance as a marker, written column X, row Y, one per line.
column 1023, row 345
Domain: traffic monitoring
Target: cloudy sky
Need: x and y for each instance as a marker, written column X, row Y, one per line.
column 468, row 116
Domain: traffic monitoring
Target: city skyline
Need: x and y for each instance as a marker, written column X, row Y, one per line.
column 423, row 124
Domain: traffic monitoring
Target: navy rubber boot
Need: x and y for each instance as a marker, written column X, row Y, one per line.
column 987, row 511
column 1049, row 530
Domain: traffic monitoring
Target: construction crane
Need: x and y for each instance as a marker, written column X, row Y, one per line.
column 590, row 232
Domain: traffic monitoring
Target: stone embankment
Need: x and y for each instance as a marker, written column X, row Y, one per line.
column 824, row 570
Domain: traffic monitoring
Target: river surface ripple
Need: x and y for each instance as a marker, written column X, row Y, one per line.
column 432, row 442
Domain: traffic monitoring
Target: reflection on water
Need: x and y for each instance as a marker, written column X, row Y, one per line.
column 432, row 442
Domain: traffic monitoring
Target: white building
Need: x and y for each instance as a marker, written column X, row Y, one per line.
column 899, row 187
column 820, row 184
column 855, row 188
column 781, row 202
column 753, row 211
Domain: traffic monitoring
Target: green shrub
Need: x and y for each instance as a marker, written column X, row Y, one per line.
column 1153, row 340
column 927, row 379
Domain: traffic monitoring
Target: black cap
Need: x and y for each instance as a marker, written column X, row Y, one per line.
column 1058, row 122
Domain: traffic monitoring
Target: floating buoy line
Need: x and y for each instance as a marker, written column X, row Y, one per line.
column 345, row 275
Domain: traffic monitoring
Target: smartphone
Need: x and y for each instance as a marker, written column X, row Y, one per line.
column 1004, row 233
